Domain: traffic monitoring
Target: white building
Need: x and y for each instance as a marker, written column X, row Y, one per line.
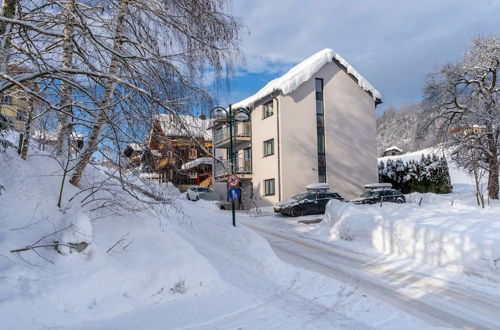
column 316, row 123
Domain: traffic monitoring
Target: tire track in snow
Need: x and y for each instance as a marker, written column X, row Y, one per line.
column 415, row 293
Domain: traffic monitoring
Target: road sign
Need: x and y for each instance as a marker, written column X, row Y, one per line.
column 233, row 180
column 233, row 193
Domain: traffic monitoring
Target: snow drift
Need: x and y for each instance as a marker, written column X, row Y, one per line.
column 458, row 236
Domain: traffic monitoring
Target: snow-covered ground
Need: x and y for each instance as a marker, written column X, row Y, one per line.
column 185, row 266
column 178, row 267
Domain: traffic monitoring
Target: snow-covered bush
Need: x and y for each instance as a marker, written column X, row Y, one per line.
column 430, row 174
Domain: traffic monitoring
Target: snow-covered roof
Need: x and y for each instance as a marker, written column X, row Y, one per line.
column 172, row 126
column 393, row 148
column 136, row 146
column 196, row 162
column 304, row 71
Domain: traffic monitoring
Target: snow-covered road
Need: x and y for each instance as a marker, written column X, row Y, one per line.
column 438, row 301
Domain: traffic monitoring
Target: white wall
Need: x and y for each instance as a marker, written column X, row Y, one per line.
column 298, row 153
column 264, row 167
column 350, row 138
column 350, row 135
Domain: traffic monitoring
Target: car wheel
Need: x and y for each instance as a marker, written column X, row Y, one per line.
column 296, row 212
column 399, row 201
column 187, row 196
column 197, row 198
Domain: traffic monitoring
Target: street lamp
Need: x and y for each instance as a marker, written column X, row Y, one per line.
column 231, row 116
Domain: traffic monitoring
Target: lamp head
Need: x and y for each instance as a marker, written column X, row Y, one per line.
column 241, row 116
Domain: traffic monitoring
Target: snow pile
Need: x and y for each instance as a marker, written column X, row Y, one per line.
column 345, row 222
column 77, row 235
column 132, row 261
column 304, row 71
column 458, row 236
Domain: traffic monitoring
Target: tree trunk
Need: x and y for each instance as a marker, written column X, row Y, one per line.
column 27, row 129
column 8, row 11
column 109, row 89
column 493, row 175
column 64, row 126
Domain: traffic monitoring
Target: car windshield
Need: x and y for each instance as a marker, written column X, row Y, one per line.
column 370, row 193
column 300, row 196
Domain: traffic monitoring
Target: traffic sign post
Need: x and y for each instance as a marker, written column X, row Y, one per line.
column 231, row 116
column 233, row 180
column 233, row 193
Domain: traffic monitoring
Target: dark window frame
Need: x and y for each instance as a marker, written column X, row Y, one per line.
column 269, row 193
column 265, row 113
column 265, row 149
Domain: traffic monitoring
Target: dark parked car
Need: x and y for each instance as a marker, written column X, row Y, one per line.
column 380, row 193
column 309, row 202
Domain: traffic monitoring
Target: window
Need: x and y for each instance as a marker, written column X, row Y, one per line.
column 247, row 160
column 7, row 99
column 268, row 109
column 193, row 153
column 268, row 147
column 320, row 130
column 322, row 196
column 269, row 187
column 21, row 115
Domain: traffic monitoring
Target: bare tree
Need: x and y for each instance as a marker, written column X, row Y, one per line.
column 465, row 96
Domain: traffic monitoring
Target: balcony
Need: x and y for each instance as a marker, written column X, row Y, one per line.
column 242, row 167
column 242, row 133
column 165, row 162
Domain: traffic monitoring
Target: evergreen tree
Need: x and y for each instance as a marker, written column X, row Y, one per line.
column 430, row 174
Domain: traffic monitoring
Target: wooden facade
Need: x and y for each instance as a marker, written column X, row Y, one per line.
column 168, row 152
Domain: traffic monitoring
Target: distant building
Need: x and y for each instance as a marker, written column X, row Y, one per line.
column 133, row 152
column 316, row 123
column 15, row 105
column 46, row 138
column 392, row 151
column 175, row 144
column 472, row 130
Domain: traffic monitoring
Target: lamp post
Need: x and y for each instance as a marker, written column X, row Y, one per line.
column 232, row 116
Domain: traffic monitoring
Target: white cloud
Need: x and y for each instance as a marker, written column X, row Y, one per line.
column 393, row 43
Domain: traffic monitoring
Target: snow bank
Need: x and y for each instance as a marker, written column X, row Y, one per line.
column 78, row 233
column 458, row 236
column 133, row 261
column 304, row 71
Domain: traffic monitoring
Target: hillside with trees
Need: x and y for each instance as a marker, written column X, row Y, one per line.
column 401, row 127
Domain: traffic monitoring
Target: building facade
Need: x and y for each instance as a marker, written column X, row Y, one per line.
column 174, row 141
column 316, row 123
column 16, row 106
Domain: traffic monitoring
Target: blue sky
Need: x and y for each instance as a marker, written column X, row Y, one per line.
column 392, row 43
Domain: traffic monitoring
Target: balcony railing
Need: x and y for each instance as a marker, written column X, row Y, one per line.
column 240, row 130
column 241, row 166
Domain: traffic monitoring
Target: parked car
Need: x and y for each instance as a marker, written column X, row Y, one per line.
column 311, row 201
column 196, row 192
column 380, row 192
